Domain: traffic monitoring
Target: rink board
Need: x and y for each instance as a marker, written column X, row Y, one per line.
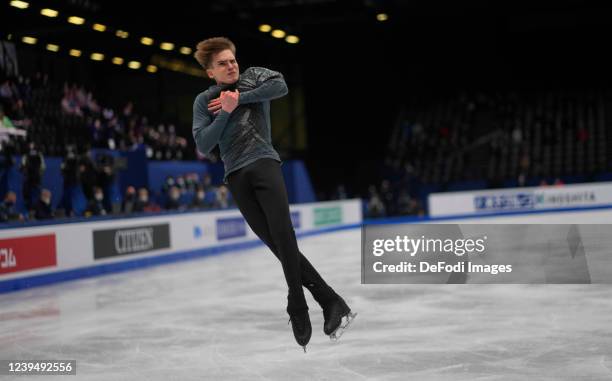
column 524, row 199
column 38, row 255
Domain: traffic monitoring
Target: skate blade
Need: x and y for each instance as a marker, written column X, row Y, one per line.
column 344, row 324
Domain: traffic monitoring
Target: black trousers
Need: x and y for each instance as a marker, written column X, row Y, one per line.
column 259, row 191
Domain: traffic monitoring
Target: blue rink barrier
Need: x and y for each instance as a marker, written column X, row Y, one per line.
column 143, row 262
column 41, row 253
column 140, row 263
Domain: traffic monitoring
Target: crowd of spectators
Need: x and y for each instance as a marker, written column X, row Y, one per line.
column 39, row 119
column 185, row 192
column 491, row 140
column 37, row 110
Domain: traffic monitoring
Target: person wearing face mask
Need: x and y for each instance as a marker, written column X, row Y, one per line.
column 199, row 201
column 173, row 199
column 170, row 182
column 43, row 210
column 144, row 204
column 234, row 114
column 96, row 206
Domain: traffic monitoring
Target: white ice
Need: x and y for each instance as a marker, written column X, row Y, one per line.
column 223, row 318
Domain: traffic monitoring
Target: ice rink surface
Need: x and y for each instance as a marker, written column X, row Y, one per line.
column 223, row 318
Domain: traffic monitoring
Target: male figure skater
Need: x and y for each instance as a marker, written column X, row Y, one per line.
column 235, row 114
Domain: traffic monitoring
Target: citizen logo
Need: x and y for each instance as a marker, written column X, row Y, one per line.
column 130, row 240
column 133, row 240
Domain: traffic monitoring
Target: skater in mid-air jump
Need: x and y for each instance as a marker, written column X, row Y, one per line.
column 235, row 114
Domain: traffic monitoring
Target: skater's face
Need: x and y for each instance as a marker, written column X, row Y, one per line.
column 224, row 68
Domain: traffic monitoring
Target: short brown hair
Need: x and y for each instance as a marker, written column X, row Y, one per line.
column 207, row 48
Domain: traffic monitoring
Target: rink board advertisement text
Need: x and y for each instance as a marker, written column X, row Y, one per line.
column 520, row 199
column 27, row 253
column 328, row 215
column 130, row 240
column 89, row 247
column 486, row 253
column 232, row 227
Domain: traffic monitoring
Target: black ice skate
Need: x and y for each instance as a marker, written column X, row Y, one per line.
column 302, row 330
column 338, row 317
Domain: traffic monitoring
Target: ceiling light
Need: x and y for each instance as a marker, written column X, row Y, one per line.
column 265, row 28
column 382, row 17
column 166, row 46
column 48, row 12
column 29, row 40
column 134, row 65
column 76, row 20
column 146, row 41
column 292, row 39
column 278, row 33
column 99, row 27
column 19, row 4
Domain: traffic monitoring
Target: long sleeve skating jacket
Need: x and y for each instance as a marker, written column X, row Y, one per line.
column 245, row 134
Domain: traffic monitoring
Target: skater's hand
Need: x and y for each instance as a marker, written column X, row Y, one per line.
column 214, row 106
column 229, row 100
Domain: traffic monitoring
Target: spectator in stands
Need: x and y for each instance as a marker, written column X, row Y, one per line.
column 32, row 166
column 9, row 91
column 88, row 175
column 405, row 204
column 5, row 121
column 222, row 200
column 170, row 182
column 43, row 210
column 99, row 137
column 173, row 202
column 144, row 204
column 375, row 207
column 72, row 180
column 71, row 102
column 96, row 207
column 180, row 183
column 199, row 201
column 387, row 197
column 207, row 184
column 8, row 208
column 19, row 117
column 129, row 200
column 116, row 134
column 92, row 104
column 340, row 193
column 191, row 182
column 128, row 111
column 24, row 87
column 106, row 173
